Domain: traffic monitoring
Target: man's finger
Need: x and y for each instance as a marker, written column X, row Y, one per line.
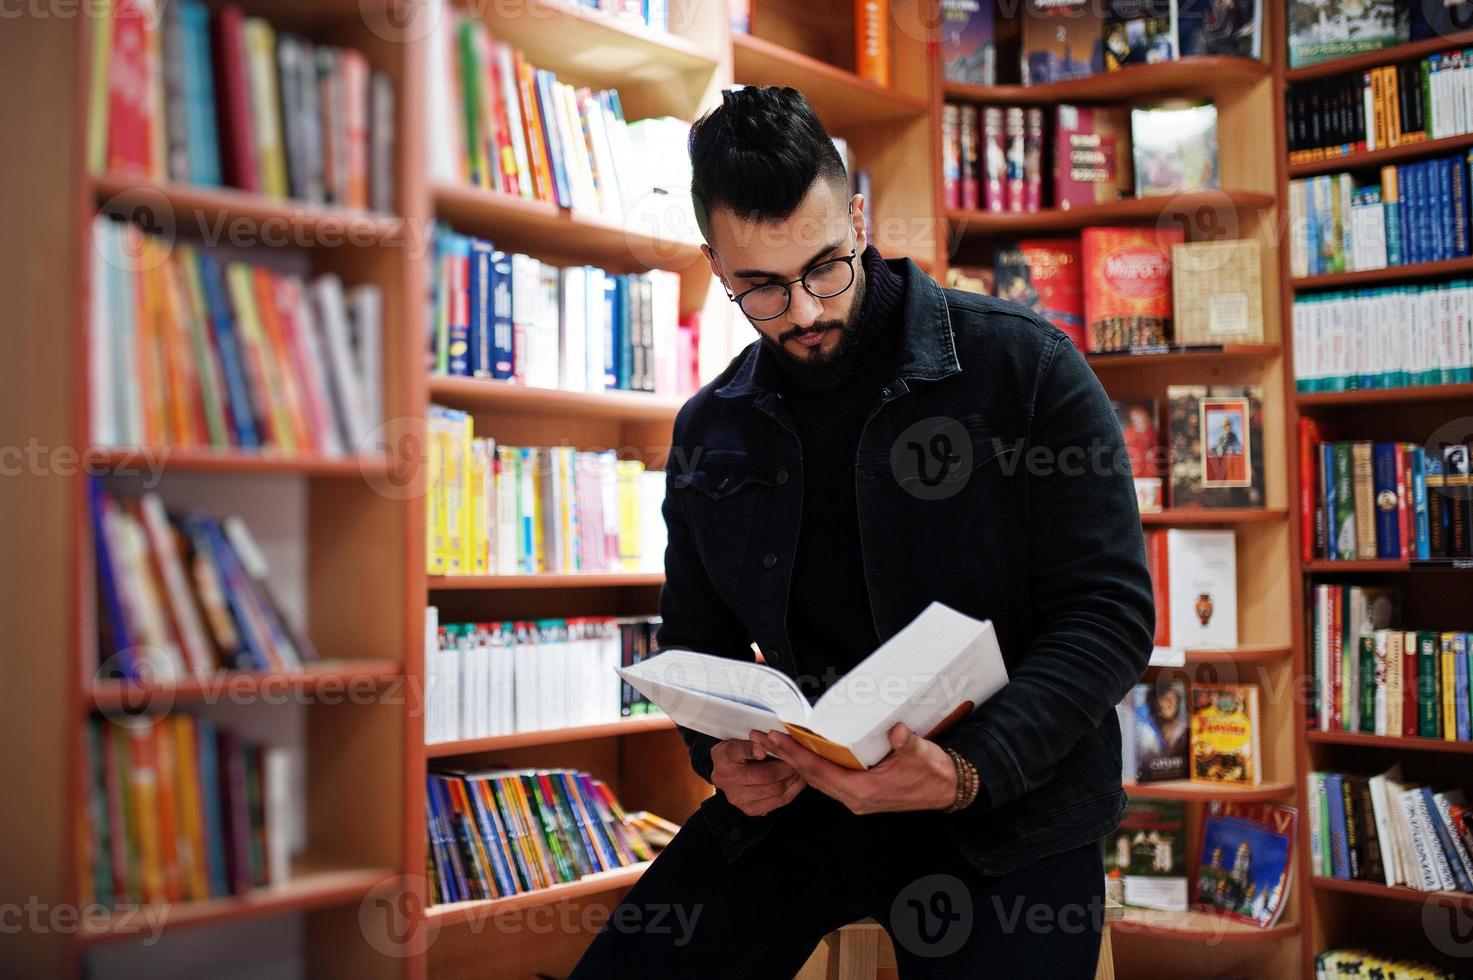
column 770, row 770
column 738, row 750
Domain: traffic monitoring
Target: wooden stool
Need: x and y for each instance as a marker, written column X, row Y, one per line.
column 860, row 950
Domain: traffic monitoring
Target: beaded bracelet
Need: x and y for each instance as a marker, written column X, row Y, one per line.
column 968, row 782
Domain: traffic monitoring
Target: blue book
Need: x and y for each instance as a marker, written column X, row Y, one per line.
column 1460, row 684
column 1339, row 846
column 1391, row 212
column 1458, row 206
column 503, row 336
column 199, row 86
column 1330, row 496
column 1444, row 838
column 1419, row 502
column 207, row 748
column 544, row 81
column 1415, row 222
column 627, row 286
column 452, row 870
column 490, row 839
column 119, row 636
column 478, row 336
column 613, row 342
column 252, row 655
column 240, row 407
column 1404, row 216
column 1388, row 515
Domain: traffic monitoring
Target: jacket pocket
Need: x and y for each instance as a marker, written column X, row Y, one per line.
column 723, row 474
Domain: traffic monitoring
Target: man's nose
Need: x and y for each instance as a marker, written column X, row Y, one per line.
column 803, row 307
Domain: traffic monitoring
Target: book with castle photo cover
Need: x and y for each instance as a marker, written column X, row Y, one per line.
column 929, row 675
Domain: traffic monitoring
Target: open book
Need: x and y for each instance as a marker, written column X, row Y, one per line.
column 929, row 675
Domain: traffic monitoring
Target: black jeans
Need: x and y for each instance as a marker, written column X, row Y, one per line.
column 696, row 914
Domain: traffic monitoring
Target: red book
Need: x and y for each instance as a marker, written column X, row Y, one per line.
column 967, row 142
column 1156, row 565
column 1403, row 499
column 1309, row 440
column 1092, row 161
column 1047, row 277
column 951, row 154
column 1033, row 160
column 168, row 829
column 233, row 93
column 1410, row 691
column 1336, row 631
column 1127, row 289
column 127, row 91
column 993, row 159
column 1014, row 132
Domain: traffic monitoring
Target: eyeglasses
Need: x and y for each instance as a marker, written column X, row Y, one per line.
column 824, row 281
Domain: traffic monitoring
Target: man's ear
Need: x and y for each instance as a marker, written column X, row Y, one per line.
column 860, row 222
column 716, row 269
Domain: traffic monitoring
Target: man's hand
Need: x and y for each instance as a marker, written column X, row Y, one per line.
column 752, row 781
column 917, row 775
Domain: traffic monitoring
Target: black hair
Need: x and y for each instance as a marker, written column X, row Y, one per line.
column 758, row 153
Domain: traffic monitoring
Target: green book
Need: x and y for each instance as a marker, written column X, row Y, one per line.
column 1368, row 683
column 1429, row 687
column 1345, row 539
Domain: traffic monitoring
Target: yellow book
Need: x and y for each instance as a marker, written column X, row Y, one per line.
column 630, row 474
column 479, row 501
column 143, row 797
column 1225, row 734
column 532, row 477
column 151, row 380
column 455, row 512
column 97, row 115
column 1449, row 687
column 192, row 871
column 464, row 435
column 158, row 144
column 435, row 497
column 265, row 106
column 566, row 459
column 257, row 355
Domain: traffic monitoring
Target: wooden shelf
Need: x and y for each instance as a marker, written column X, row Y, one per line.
column 275, row 220
column 1374, row 59
column 1196, row 925
column 988, row 223
column 843, row 100
column 1392, row 273
column 611, row 729
column 333, row 677
column 1396, row 892
column 543, row 580
column 1253, row 653
column 1209, row 76
column 558, row 233
column 238, row 462
column 484, row 395
column 1182, row 789
column 1184, row 517
column 1385, row 396
column 1376, row 158
column 1399, row 743
column 308, row 888
column 604, row 881
column 1157, row 357
column 1320, row 565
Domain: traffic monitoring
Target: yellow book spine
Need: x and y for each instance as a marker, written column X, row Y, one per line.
column 629, row 473
column 191, row 829
column 258, row 355
column 539, row 536
column 266, row 105
column 97, row 114
column 478, row 498
column 435, row 495
column 143, row 792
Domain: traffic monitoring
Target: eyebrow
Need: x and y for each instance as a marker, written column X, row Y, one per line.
column 764, row 274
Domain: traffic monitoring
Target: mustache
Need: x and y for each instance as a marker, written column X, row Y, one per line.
column 820, row 327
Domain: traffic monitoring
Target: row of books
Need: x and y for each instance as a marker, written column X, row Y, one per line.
column 1369, row 110
column 510, row 317
column 183, row 93
column 1380, row 680
column 654, row 14
column 500, row 832
column 1385, row 830
column 186, row 349
column 500, row 123
column 1385, row 337
column 1384, row 500
column 1245, row 870
column 183, row 595
column 178, row 809
column 1208, row 734
column 1343, row 963
column 498, row 678
column 1122, row 288
column 993, row 157
column 1418, row 213
column 495, row 509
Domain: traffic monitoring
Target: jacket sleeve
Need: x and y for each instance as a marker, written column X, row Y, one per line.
column 1092, row 603
column 692, row 613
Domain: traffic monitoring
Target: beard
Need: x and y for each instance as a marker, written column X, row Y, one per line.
column 824, row 371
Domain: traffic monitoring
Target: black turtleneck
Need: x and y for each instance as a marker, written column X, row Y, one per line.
column 829, row 620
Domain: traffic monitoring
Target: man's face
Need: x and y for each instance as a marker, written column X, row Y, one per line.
column 745, row 253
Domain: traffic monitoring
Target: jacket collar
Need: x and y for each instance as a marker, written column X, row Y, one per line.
column 927, row 348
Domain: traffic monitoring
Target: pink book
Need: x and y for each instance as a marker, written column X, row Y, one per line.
column 994, row 158
column 969, row 157
column 1033, row 160
column 1015, row 157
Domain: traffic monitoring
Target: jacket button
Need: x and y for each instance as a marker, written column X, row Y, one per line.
column 725, row 481
column 768, row 560
column 885, row 392
column 734, row 834
column 782, row 477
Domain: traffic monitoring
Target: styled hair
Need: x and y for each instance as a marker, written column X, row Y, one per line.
column 758, row 153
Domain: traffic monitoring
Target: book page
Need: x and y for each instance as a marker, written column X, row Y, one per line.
column 721, row 697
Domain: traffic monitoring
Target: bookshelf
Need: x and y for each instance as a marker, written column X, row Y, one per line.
column 1338, row 912
column 1248, row 205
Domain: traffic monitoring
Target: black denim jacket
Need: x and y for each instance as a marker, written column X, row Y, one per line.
column 990, row 476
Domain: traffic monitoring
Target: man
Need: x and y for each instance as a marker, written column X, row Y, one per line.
column 886, row 443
